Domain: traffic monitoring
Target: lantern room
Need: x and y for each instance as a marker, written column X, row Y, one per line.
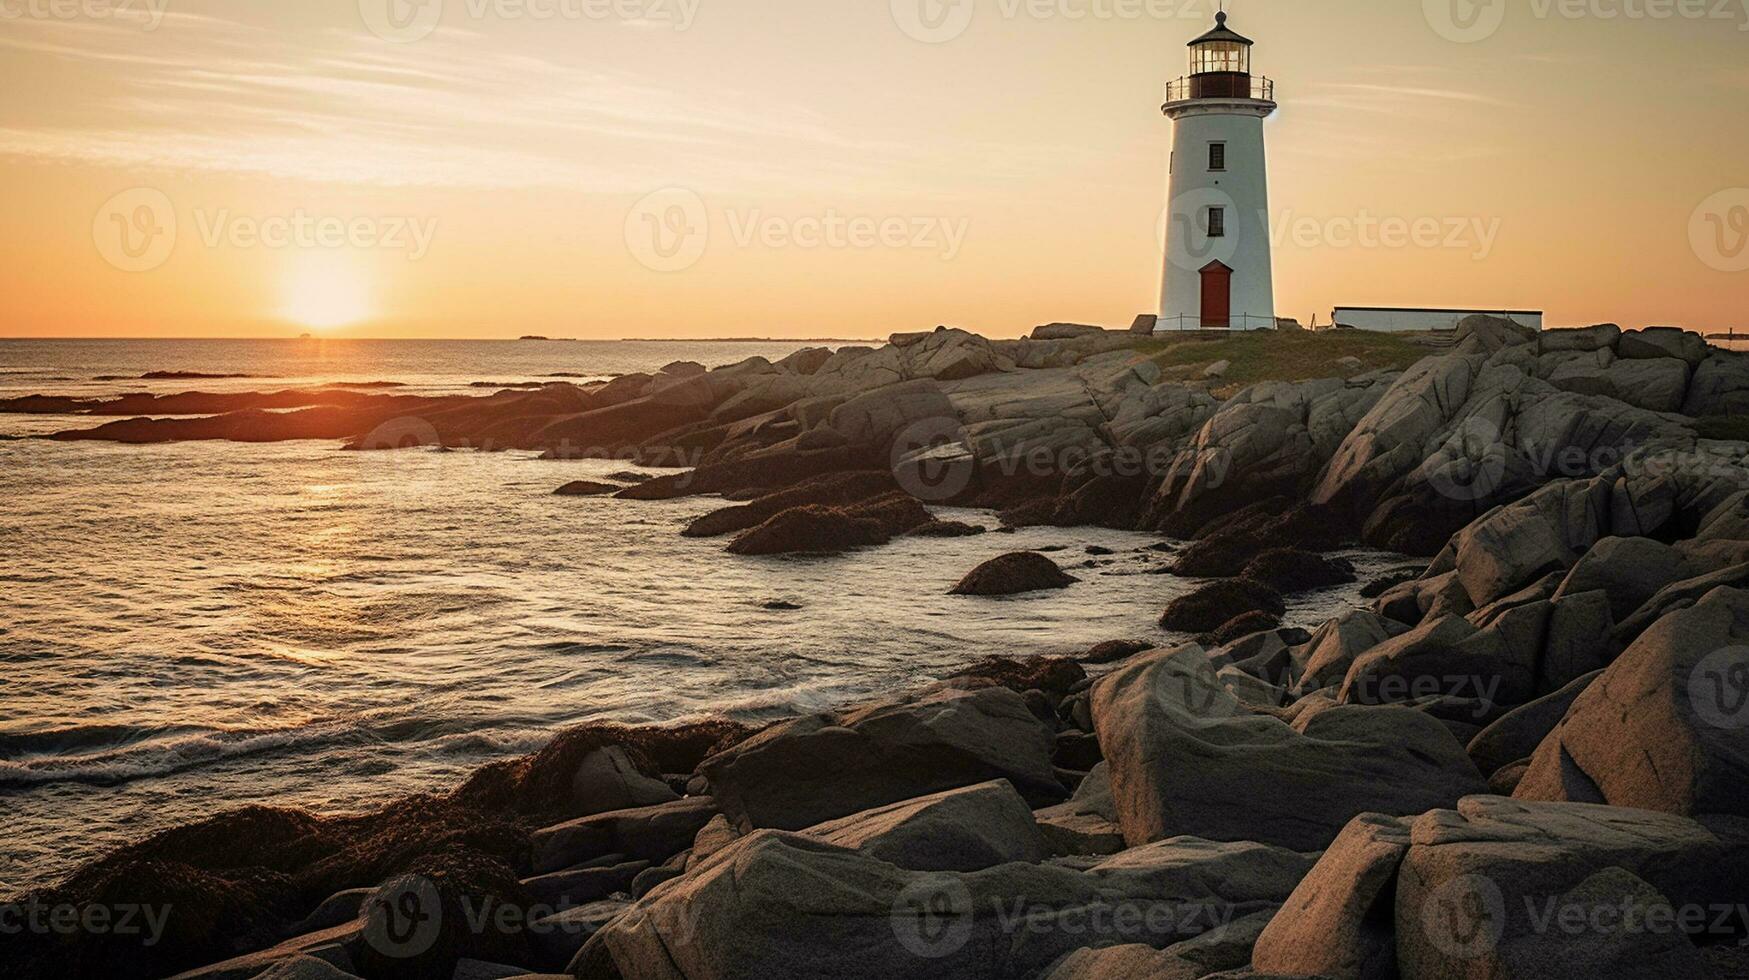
column 1221, row 51
column 1220, row 64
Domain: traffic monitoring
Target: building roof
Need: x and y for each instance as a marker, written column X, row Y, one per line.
column 1222, row 33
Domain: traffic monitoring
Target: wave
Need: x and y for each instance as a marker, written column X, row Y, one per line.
column 57, row 741
column 112, row 755
column 162, row 756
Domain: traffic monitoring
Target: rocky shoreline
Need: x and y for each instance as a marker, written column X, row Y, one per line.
column 1527, row 758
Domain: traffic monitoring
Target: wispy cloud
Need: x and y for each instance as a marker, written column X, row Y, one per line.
column 215, row 95
column 1393, row 98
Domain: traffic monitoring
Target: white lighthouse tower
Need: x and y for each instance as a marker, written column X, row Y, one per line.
column 1218, row 267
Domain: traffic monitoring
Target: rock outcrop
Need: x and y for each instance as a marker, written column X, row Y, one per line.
column 811, row 770
column 1218, row 603
column 1014, row 574
column 777, row 904
column 1501, row 888
column 1187, row 757
column 817, row 529
column 1666, row 727
column 965, row 829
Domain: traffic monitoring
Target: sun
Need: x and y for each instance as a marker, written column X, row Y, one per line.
column 325, row 291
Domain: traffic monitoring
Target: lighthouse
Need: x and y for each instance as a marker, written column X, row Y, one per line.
column 1218, row 266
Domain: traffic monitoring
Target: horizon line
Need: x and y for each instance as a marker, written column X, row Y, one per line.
column 504, row 340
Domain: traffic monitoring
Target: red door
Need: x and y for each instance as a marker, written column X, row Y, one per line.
column 1217, row 296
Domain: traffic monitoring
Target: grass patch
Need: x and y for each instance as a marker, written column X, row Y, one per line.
column 1731, row 428
column 1292, row 355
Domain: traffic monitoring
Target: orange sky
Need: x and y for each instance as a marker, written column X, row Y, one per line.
column 856, row 167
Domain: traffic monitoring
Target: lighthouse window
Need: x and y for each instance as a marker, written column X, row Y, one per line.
column 1217, row 222
column 1217, row 156
column 1219, row 56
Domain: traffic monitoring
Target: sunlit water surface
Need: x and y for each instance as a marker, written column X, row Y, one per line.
column 196, row 626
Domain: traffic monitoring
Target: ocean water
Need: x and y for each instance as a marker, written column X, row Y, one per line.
column 196, row 626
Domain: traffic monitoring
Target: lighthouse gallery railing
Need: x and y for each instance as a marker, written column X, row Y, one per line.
column 1220, row 86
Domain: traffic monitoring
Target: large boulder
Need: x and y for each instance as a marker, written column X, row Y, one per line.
column 1447, row 656
column 1667, row 725
column 1720, row 386
column 1323, row 662
column 950, row 355
column 1629, row 570
column 1482, row 891
column 1065, row 331
column 1514, row 546
column 1397, row 434
column 817, row 529
column 650, row 833
column 1657, row 385
column 806, row 361
column 1499, row 889
column 1218, row 603
column 1290, row 570
column 1014, row 574
column 1338, row 922
column 1616, row 946
column 810, row 770
column 609, row 779
column 964, row 829
column 1187, row 757
column 1654, row 343
column 776, row 904
column 829, row 490
column 1482, row 334
column 875, row 417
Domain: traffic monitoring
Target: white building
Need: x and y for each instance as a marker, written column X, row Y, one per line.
column 1398, row 319
column 1218, row 265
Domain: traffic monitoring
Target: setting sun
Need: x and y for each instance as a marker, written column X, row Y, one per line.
column 323, row 292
